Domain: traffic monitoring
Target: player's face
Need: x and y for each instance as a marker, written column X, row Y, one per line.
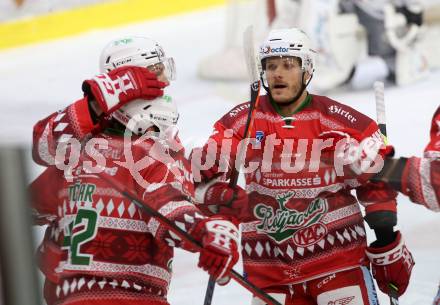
column 159, row 70
column 283, row 77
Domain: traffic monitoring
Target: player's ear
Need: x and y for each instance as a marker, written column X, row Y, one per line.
column 306, row 77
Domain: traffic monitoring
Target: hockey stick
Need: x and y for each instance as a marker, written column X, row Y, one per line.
column 145, row 207
column 393, row 168
column 394, row 296
column 252, row 68
column 209, row 291
column 379, row 93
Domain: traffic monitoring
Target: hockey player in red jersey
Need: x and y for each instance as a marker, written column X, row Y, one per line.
column 126, row 57
column 418, row 178
column 303, row 238
column 100, row 248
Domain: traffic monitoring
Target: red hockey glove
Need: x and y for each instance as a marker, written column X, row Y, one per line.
column 220, row 198
column 391, row 265
column 114, row 89
column 353, row 159
column 220, row 240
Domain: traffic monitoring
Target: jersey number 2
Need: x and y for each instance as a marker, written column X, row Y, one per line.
column 84, row 229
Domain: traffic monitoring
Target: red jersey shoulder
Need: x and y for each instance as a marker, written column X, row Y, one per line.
column 341, row 113
column 241, row 111
column 235, row 114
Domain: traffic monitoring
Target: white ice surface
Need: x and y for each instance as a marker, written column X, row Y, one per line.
column 40, row 79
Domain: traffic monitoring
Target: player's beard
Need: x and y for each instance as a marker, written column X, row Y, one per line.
column 292, row 97
column 296, row 90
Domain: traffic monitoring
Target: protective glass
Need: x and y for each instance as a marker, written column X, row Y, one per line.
column 166, row 66
column 281, row 63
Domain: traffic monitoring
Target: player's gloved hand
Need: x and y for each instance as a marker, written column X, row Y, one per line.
column 116, row 88
column 392, row 265
column 413, row 14
column 220, row 198
column 353, row 159
column 219, row 238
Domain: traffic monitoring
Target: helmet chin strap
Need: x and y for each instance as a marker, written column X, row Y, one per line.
column 296, row 97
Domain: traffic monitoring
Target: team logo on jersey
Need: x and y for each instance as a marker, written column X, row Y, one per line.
column 259, row 136
column 310, row 235
column 282, row 223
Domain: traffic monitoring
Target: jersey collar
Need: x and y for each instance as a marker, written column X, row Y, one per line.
column 304, row 104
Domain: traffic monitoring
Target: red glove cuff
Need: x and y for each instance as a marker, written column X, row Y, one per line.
column 387, row 254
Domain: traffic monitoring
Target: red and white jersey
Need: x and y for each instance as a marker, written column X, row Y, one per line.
column 73, row 122
column 421, row 176
column 99, row 244
column 301, row 224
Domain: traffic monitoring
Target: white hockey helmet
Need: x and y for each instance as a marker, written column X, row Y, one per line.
column 136, row 51
column 139, row 115
column 289, row 42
